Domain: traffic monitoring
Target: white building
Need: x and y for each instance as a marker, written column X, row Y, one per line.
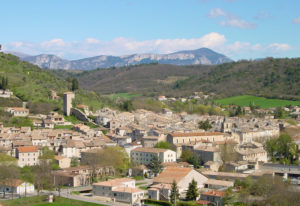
column 27, row 156
column 144, row 155
column 182, row 176
column 122, row 190
column 18, row 111
column 17, row 187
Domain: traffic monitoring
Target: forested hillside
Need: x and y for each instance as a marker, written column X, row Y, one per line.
column 33, row 85
column 269, row 77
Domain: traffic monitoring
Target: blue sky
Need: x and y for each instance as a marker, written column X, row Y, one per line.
column 241, row 29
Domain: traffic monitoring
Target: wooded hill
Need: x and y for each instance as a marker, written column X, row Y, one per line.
column 268, row 77
column 33, row 85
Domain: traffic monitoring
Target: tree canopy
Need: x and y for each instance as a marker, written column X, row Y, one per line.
column 155, row 165
column 164, row 145
column 282, row 149
column 204, row 125
column 192, row 192
column 188, row 156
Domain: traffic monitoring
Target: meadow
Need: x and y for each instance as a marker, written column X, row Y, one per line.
column 127, row 96
column 246, row 100
column 41, row 201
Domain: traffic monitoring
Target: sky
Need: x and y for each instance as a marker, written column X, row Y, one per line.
column 73, row 29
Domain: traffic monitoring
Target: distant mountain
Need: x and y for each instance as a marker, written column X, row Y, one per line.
column 203, row 56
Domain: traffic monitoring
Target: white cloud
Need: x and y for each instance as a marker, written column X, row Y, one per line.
column 124, row 46
column 297, row 20
column 230, row 20
column 262, row 15
column 280, row 47
column 213, row 13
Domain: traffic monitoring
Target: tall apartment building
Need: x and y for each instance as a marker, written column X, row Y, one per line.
column 27, row 156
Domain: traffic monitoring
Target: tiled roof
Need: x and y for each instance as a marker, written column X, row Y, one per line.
column 127, row 190
column 191, row 134
column 27, row 149
column 219, row 182
column 149, row 150
column 13, row 183
column 114, row 182
column 214, row 193
column 170, row 174
column 203, row 202
column 225, row 174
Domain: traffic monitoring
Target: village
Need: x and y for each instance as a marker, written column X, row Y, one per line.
column 225, row 150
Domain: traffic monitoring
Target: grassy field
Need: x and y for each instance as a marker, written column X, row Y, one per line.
column 40, row 201
column 264, row 103
column 123, row 95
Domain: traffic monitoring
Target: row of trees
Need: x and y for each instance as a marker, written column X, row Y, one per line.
column 191, row 194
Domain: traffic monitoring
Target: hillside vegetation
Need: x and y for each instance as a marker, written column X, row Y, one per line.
column 274, row 78
column 141, row 79
column 33, row 85
column 27, row 81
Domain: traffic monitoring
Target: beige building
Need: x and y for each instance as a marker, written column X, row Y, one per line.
column 213, row 196
column 143, row 155
column 68, row 97
column 121, row 190
column 161, row 188
column 27, row 156
column 18, row 111
column 253, row 154
column 190, row 138
column 63, row 162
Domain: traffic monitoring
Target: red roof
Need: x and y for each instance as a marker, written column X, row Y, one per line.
column 203, row 202
column 214, row 193
column 27, row 149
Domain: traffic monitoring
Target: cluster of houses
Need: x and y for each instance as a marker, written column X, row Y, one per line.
column 196, row 96
column 138, row 132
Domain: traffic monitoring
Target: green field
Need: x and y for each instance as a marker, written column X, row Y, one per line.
column 41, row 201
column 264, row 103
column 123, row 95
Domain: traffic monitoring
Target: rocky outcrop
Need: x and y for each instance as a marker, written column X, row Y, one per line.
column 190, row 57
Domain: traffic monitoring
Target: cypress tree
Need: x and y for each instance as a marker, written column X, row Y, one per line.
column 192, row 192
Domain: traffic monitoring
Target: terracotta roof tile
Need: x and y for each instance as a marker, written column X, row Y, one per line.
column 170, row 174
column 214, row 193
column 27, row 149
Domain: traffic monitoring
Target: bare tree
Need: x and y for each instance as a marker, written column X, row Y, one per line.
column 227, row 153
column 42, row 173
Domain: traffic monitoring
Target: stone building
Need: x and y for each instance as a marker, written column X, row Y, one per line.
column 68, row 97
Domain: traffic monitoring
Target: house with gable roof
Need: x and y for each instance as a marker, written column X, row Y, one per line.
column 183, row 176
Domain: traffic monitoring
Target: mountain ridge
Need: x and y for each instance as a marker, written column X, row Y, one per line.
column 202, row 56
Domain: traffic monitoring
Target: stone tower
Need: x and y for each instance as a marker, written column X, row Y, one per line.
column 68, row 97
